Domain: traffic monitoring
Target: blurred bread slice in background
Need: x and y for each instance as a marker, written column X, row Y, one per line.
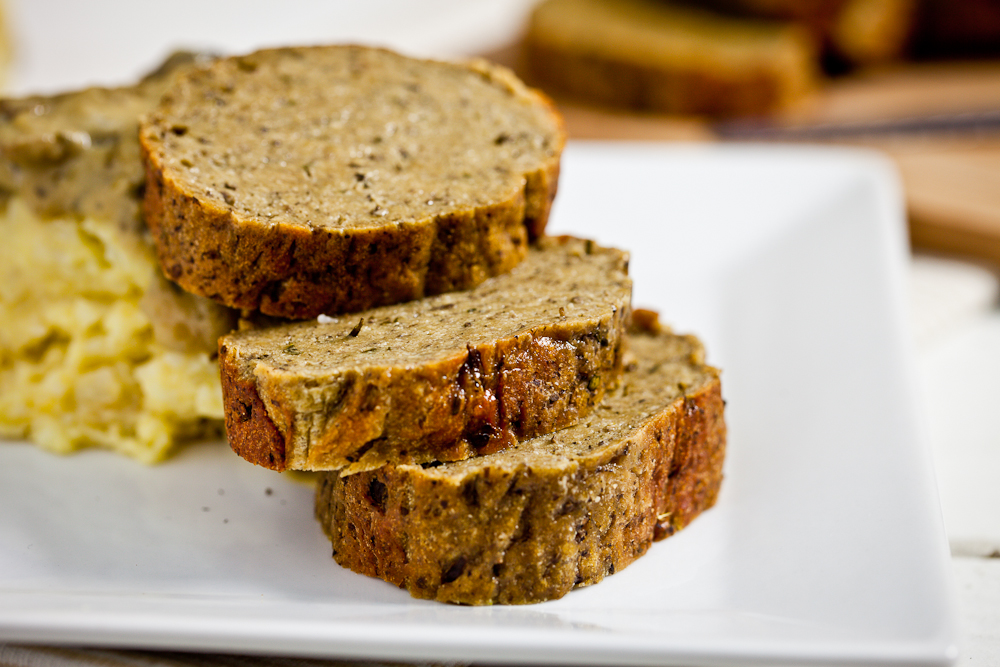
column 854, row 32
column 647, row 55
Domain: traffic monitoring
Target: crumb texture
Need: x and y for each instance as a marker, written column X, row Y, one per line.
column 534, row 521
column 303, row 181
column 452, row 376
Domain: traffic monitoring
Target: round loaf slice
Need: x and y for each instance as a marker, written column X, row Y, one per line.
column 302, row 181
column 444, row 378
column 563, row 510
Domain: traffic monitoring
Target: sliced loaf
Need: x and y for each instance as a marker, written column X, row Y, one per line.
column 563, row 510
column 303, row 181
column 444, row 378
column 657, row 56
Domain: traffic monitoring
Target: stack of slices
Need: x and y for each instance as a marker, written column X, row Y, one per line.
column 492, row 422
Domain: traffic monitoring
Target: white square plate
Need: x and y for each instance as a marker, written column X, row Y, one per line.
column 826, row 546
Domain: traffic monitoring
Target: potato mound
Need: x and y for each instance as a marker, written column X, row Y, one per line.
column 81, row 362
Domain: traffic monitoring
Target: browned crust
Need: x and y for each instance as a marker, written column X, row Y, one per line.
column 524, row 536
column 295, row 272
column 474, row 403
column 646, row 321
column 250, row 432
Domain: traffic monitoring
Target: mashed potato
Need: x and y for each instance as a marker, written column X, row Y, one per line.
column 81, row 362
column 96, row 347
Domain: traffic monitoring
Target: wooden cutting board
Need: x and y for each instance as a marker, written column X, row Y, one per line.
column 951, row 176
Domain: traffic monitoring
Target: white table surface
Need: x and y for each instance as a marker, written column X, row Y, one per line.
column 957, row 325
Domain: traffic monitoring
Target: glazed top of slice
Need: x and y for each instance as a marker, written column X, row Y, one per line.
column 350, row 137
column 564, row 284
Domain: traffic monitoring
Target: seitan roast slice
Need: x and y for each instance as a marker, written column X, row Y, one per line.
column 657, row 56
column 534, row 521
column 443, row 378
column 302, row 181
